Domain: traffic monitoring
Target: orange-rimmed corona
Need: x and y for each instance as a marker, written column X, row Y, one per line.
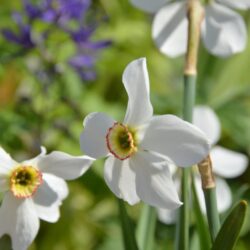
column 24, row 181
column 121, row 141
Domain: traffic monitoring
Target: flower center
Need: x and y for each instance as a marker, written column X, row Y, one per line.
column 121, row 141
column 24, row 181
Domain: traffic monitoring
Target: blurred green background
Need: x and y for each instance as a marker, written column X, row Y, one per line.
column 34, row 114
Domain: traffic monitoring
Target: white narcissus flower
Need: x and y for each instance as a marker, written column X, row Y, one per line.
column 140, row 148
column 223, row 30
column 226, row 163
column 33, row 190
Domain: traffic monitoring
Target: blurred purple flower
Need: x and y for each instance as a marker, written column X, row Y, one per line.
column 61, row 13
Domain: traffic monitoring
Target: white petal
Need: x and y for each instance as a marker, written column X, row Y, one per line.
column 64, row 165
column 227, row 163
column 49, row 196
column 136, row 82
column 121, row 179
column 206, row 120
column 154, row 184
column 169, row 29
column 223, row 194
column 18, row 218
column 167, row 216
column 182, row 142
column 93, row 137
column 238, row 4
column 7, row 163
column 224, row 32
column 149, row 5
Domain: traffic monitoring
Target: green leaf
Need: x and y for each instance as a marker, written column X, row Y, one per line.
column 230, row 230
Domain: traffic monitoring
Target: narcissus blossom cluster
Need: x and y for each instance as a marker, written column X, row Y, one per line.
column 223, row 30
column 34, row 189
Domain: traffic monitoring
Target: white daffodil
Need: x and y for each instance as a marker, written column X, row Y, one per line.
column 140, row 148
column 223, row 30
column 226, row 164
column 33, row 190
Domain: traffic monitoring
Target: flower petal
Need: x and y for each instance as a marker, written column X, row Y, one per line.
column 93, row 137
column 154, row 184
column 121, row 179
column 223, row 32
column 182, row 142
column 239, row 4
column 18, row 218
column 49, row 196
column 167, row 216
column 223, row 194
column 7, row 163
column 64, row 165
column 206, row 120
column 149, row 5
column 227, row 163
column 136, row 82
column 169, row 29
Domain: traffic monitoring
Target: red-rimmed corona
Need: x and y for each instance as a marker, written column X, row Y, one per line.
column 121, row 141
column 24, row 181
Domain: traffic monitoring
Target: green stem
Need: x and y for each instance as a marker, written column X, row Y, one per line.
column 212, row 211
column 202, row 228
column 182, row 228
column 127, row 228
column 146, row 228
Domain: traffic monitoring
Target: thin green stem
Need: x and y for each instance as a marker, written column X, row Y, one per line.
column 146, row 228
column 212, row 211
column 182, row 228
column 202, row 228
column 127, row 228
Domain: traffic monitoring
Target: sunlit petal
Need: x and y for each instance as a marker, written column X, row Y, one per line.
column 224, row 32
column 64, row 165
column 154, row 184
column 182, row 142
column 169, row 29
column 136, row 81
column 121, row 179
column 206, row 120
column 93, row 137
column 18, row 218
column 228, row 163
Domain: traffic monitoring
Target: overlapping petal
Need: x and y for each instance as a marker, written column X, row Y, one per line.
column 239, row 4
column 184, row 143
column 34, row 161
column 223, row 31
column 169, row 29
column 223, row 194
column 206, row 120
column 6, row 162
column 93, row 137
column 64, row 165
column 227, row 163
column 49, row 196
column 154, row 184
column 149, row 5
column 136, row 82
column 121, row 179
column 18, row 218
column 167, row 216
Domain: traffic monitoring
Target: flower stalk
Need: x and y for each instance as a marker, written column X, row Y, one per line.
column 209, row 190
column 195, row 15
column 146, row 228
